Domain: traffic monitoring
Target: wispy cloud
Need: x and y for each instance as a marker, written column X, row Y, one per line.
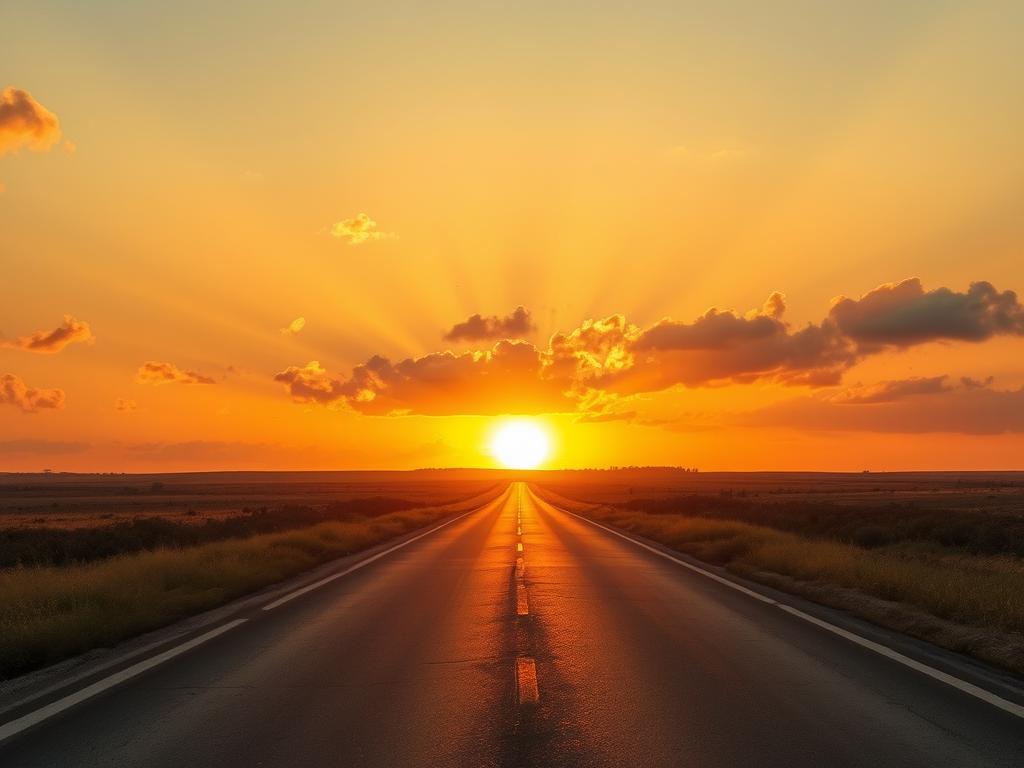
column 157, row 373
column 41, row 447
column 910, row 406
column 71, row 331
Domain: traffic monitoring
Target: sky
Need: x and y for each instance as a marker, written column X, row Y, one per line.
column 305, row 235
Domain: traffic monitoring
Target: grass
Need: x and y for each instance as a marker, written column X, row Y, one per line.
column 42, row 545
column 50, row 613
column 966, row 602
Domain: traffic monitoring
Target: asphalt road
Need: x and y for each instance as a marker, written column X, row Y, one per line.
column 589, row 651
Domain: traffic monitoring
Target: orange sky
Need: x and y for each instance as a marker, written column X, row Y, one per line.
column 323, row 235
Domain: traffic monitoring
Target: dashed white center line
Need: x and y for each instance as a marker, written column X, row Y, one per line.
column 522, row 603
column 526, row 680
column 519, row 546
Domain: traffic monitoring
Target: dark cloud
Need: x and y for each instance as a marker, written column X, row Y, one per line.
column 890, row 391
column 903, row 314
column 71, row 331
column 480, row 328
column 721, row 347
column 24, row 122
column 156, row 373
column 14, row 391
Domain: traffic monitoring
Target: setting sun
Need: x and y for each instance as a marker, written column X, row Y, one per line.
column 520, row 444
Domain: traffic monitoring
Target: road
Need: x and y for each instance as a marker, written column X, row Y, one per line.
column 562, row 645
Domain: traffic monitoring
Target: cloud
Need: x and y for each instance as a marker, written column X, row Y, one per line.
column 722, row 347
column 903, row 314
column 968, row 382
column 41, row 447
column 480, row 328
column 585, row 369
column 891, row 391
column 49, row 342
column 24, row 122
column 358, row 230
column 198, row 451
column 125, row 405
column 14, row 391
column 914, row 406
column 601, row 418
column 294, row 326
column 156, row 373
column 508, row 378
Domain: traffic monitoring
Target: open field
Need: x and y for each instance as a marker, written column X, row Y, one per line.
column 72, row 500
column 938, row 557
column 58, row 520
column 50, row 613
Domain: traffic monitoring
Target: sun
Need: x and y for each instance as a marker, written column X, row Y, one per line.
column 520, row 444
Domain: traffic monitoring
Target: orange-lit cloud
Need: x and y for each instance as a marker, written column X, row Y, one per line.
column 49, row 342
column 358, row 230
column 294, row 327
column 588, row 368
column 125, row 405
column 508, row 378
column 24, row 122
column 14, row 391
column 156, row 373
column 480, row 328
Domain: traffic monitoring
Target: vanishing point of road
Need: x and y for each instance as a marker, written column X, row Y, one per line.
column 519, row 635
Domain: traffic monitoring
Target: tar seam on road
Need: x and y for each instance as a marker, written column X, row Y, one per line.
column 936, row 674
column 44, row 713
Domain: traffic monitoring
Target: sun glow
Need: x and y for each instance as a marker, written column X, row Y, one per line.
column 520, row 444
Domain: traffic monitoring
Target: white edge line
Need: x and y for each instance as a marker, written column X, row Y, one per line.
column 44, row 713
column 363, row 563
column 56, row 707
column 936, row 674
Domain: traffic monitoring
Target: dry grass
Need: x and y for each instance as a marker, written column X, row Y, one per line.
column 51, row 613
column 972, row 604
